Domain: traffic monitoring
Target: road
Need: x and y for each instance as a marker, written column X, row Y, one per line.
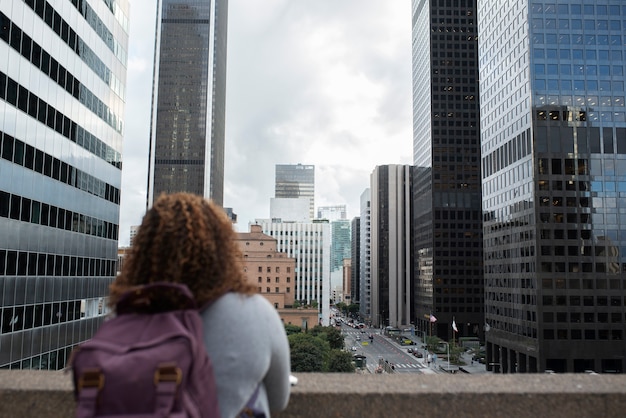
column 382, row 348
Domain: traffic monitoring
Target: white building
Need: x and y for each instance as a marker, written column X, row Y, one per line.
column 309, row 244
column 290, row 209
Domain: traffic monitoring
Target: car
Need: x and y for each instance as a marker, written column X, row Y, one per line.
column 418, row 354
column 353, row 348
column 358, row 338
column 409, row 350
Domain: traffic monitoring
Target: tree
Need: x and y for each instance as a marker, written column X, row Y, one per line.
column 340, row 362
column 292, row 329
column 308, row 353
column 330, row 334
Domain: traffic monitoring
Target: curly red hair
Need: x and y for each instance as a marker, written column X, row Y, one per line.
column 187, row 239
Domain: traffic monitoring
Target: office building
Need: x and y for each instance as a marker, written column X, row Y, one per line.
column 446, row 157
column 293, row 181
column 391, row 246
column 365, row 285
column 331, row 213
column 62, row 94
column 309, row 244
column 189, row 99
column 355, row 263
column 554, row 182
column 340, row 243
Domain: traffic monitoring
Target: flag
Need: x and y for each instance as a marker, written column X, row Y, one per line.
column 432, row 318
column 454, row 326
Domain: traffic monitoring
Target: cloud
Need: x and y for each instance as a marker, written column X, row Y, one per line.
column 325, row 82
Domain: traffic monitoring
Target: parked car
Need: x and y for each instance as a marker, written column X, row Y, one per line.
column 409, row 350
column 418, row 353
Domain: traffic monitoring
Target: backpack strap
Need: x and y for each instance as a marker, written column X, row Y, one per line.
column 90, row 382
column 167, row 379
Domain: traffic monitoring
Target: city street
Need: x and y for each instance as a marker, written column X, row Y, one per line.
column 394, row 356
column 382, row 348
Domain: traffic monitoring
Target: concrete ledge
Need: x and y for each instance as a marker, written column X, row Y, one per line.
column 49, row 394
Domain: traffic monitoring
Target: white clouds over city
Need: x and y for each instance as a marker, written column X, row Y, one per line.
column 324, row 82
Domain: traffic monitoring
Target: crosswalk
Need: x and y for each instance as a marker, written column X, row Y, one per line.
column 410, row 366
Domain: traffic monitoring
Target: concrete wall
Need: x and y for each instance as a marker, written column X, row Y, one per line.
column 49, row 394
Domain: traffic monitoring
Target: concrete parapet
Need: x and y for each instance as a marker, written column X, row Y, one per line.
column 49, row 394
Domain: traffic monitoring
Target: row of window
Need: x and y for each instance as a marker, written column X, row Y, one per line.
column 589, row 317
column 37, row 108
column 26, row 317
column 53, row 360
column 577, row 9
column 40, row 58
column 461, row 309
column 562, row 300
column 23, row 263
column 511, row 151
column 25, row 155
column 269, row 280
column 579, row 39
column 27, row 210
column 54, row 20
column 587, row 334
column 276, row 290
column 269, row 269
column 596, row 283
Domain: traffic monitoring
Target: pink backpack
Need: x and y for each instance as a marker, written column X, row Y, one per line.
column 148, row 361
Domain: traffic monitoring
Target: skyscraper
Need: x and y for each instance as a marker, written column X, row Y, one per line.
column 391, row 250
column 446, row 155
column 188, row 102
column 62, row 93
column 554, row 181
column 365, row 271
column 355, row 263
column 294, row 181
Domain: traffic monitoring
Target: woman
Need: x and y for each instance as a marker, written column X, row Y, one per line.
column 186, row 239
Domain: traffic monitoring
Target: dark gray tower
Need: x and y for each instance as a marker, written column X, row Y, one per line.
column 188, row 103
column 446, row 155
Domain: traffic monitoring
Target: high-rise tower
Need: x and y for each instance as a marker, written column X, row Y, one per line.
column 296, row 180
column 554, row 181
column 446, row 154
column 188, row 102
column 62, row 93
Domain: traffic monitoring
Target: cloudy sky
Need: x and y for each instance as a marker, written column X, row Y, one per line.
column 322, row 82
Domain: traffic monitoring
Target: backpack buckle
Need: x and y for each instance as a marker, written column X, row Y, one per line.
column 168, row 373
column 91, row 378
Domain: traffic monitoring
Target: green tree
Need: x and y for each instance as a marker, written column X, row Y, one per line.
column 292, row 329
column 340, row 362
column 330, row 334
column 308, row 353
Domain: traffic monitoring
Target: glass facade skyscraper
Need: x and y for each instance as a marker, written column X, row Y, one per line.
column 62, row 92
column 189, row 99
column 554, row 183
column 447, row 222
column 296, row 180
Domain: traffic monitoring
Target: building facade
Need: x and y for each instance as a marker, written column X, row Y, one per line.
column 296, row 180
column 554, row 180
column 189, row 99
column 62, row 93
column 274, row 274
column 391, row 246
column 270, row 270
column 309, row 244
column 340, row 243
column 332, row 213
column 446, row 157
column 365, row 271
column 355, row 263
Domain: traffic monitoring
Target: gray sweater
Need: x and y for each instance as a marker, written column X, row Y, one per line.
column 247, row 344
